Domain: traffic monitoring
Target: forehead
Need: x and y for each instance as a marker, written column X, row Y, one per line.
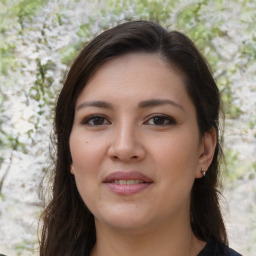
column 136, row 76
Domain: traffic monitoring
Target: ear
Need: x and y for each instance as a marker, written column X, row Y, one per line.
column 206, row 152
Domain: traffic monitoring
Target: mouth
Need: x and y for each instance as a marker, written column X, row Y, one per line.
column 127, row 183
column 123, row 177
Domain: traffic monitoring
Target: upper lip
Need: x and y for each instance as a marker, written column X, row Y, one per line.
column 127, row 175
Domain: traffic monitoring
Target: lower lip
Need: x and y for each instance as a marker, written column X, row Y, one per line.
column 127, row 189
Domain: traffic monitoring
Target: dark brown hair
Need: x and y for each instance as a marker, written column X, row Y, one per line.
column 68, row 226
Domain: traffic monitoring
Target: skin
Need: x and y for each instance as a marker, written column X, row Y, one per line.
column 127, row 136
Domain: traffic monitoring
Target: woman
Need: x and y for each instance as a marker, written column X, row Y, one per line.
column 137, row 150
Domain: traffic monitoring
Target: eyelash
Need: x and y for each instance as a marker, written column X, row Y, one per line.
column 93, row 118
column 162, row 117
column 170, row 120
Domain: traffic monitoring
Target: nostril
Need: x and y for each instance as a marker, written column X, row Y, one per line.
column 122, row 157
column 124, row 150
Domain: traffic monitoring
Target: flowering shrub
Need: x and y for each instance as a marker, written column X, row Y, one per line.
column 39, row 40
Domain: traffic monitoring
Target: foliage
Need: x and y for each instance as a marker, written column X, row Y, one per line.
column 24, row 245
column 40, row 38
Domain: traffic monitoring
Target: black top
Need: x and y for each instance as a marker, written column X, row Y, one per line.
column 215, row 248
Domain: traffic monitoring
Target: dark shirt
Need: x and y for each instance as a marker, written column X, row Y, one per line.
column 215, row 248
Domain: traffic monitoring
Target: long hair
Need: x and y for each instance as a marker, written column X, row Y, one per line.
column 68, row 225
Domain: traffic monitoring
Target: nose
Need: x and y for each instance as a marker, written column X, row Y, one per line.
column 126, row 144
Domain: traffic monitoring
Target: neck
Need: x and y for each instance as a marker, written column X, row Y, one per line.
column 174, row 239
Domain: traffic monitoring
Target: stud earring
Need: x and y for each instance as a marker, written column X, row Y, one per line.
column 203, row 172
column 72, row 169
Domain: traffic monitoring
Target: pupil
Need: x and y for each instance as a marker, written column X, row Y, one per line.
column 97, row 120
column 158, row 120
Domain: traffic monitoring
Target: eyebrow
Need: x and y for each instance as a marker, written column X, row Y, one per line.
column 99, row 104
column 159, row 102
column 143, row 104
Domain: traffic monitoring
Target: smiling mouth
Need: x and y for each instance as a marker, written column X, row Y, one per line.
column 128, row 182
column 127, row 177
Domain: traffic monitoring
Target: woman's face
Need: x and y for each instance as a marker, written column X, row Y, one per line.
column 135, row 144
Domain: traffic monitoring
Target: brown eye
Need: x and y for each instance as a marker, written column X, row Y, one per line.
column 161, row 120
column 95, row 120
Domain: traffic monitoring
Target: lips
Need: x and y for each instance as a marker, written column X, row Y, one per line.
column 132, row 175
column 127, row 183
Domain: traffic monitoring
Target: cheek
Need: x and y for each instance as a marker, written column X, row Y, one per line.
column 176, row 160
column 86, row 156
column 178, row 149
column 86, row 152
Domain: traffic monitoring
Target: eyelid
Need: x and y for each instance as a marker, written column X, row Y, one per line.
column 171, row 119
column 85, row 120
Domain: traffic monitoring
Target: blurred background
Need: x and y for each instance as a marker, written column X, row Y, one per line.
column 38, row 41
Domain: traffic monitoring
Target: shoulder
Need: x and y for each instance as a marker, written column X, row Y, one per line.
column 216, row 248
column 231, row 252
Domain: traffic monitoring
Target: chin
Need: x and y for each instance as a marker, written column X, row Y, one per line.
column 125, row 219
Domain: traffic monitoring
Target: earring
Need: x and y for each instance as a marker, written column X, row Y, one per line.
column 72, row 169
column 203, row 172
